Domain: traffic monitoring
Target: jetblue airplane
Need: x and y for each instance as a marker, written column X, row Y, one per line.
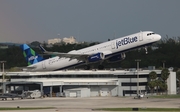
column 112, row 51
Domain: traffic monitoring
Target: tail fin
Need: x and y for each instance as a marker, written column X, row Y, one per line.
column 30, row 55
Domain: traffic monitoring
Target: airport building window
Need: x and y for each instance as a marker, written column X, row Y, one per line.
column 129, row 91
column 127, row 76
column 67, row 76
column 134, row 84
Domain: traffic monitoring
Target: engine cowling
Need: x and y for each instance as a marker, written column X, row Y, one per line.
column 96, row 57
column 117, row 58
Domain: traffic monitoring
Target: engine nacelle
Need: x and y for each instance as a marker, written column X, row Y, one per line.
column 116, row 58
column 96, row 57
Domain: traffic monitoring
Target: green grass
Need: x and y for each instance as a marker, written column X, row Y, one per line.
column 165, row 96
column 139, row 109
column 24, row 108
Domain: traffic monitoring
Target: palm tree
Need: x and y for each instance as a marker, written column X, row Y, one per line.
column 152, row 83
column 178, row 77
column 163, row 86
column 164, row 75
column 153, row 75
column 158, row 82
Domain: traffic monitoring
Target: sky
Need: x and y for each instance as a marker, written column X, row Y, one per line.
column 24, row 21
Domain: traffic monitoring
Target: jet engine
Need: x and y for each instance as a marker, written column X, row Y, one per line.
column 116, row 58
column 96, row 57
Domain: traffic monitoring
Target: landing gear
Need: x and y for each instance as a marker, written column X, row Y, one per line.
column 146, row 50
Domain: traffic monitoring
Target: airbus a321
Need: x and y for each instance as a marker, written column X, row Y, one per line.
column 112, row 51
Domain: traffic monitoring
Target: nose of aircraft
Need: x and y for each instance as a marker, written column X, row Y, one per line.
column 158, row 37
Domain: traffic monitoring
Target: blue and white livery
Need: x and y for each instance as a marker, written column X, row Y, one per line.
column 112, row 51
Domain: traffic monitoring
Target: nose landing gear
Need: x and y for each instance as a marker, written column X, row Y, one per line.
column 146, row 50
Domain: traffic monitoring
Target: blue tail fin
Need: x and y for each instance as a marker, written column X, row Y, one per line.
column 30, row 55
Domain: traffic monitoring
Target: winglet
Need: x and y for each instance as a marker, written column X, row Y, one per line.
column 42, row 49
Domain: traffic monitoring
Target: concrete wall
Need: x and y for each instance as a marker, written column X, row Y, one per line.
column 119, row 89
column 106, row 90
column 114, row 91
column 94, row 90
column 171, row 83
column 80, row 92
column 85, row 92
column 66, row 93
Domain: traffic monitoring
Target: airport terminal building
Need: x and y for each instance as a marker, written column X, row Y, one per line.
column 84, row 83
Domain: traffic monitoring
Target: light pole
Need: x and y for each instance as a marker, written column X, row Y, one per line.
column 137, row 60
column 164, row 63
column 2, row 62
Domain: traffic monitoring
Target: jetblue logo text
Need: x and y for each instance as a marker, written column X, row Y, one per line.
column 94, row 57
column 125, row 41
column 32, row 58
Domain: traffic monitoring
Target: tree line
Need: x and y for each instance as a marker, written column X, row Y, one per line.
column 166, row 51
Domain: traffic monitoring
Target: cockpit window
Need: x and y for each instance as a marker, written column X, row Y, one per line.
column 150, row 34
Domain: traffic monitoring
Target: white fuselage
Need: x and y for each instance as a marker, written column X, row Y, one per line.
column 108, row 48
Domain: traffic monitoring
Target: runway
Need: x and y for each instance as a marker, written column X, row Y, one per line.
column 88, row 104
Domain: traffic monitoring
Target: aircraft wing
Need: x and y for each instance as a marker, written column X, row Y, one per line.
column 70, row 55
column 27, row 68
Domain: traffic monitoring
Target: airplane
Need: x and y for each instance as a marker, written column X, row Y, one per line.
column 112, row 51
